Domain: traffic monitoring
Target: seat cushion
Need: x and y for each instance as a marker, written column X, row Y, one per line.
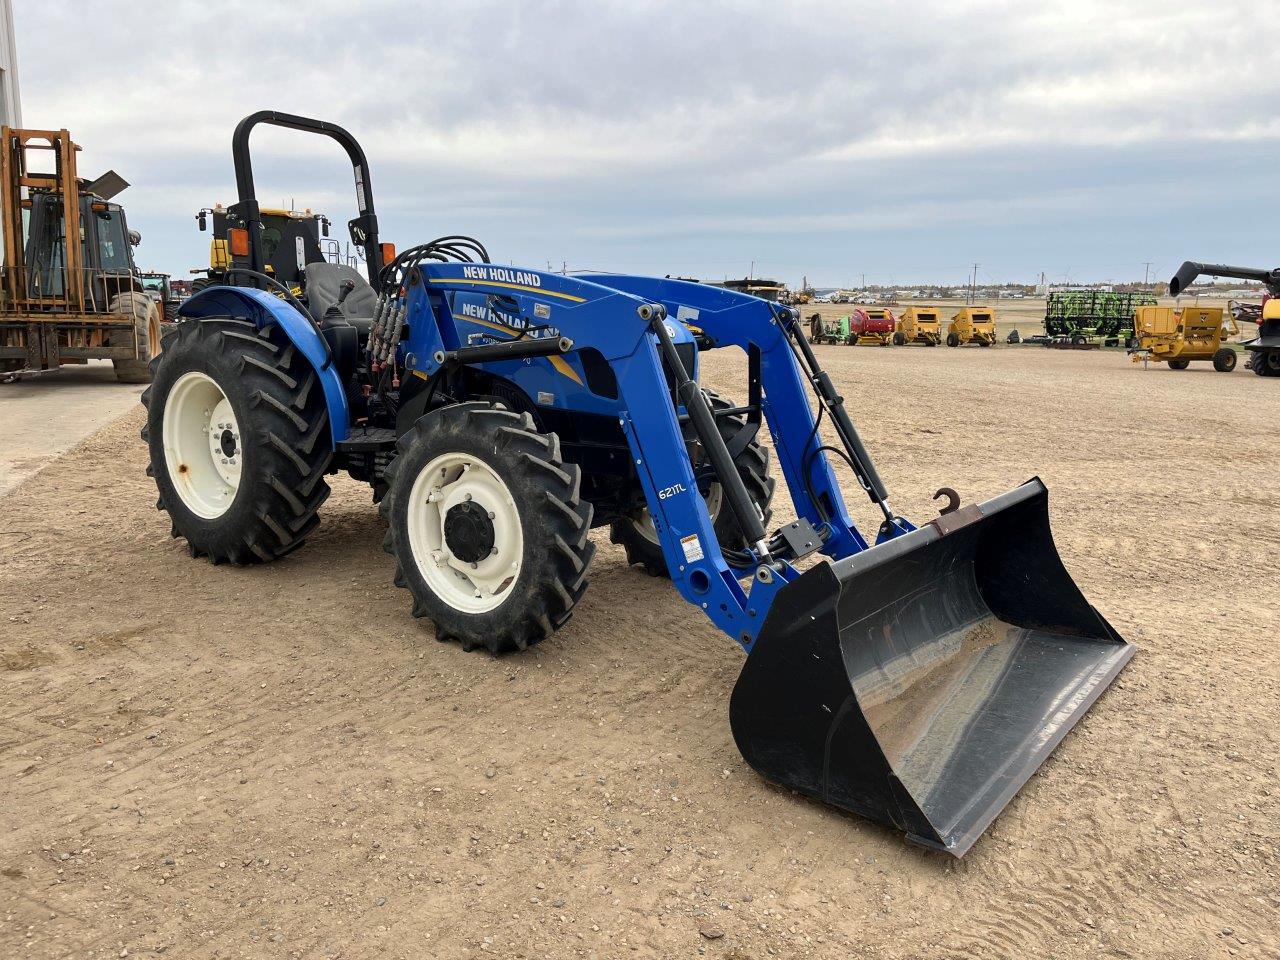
column 324, row 285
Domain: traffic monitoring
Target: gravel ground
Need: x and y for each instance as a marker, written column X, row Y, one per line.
column 280, row 762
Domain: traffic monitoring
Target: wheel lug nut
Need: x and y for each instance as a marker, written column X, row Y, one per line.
column 492, row 515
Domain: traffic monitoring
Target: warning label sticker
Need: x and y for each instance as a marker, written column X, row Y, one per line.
column 692, row 547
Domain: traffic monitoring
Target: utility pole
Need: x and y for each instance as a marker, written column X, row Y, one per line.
column 1146, row 273
column 752, row 274
column 973, row 284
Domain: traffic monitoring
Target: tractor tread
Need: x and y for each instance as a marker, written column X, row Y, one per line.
column 285, row 425
column 558, row 547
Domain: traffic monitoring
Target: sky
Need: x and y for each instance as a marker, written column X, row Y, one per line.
column 829, row 140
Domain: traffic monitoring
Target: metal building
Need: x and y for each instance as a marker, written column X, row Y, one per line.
column 10, row 100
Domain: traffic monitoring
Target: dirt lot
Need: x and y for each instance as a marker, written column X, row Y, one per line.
column 279, row 762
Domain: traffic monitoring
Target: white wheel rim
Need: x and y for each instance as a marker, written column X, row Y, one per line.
column 449, row 481
column 202, row 445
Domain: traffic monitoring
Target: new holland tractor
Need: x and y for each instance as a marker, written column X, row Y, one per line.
column 1264, row 349
column 918, row 677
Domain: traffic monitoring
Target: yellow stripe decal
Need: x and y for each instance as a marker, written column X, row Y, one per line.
column 562, row 365
column 519, row 334
column 512, row 286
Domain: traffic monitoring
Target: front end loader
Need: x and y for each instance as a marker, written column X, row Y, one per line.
column 917, row 677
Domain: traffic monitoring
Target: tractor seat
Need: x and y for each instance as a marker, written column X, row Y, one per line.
column 324, row 285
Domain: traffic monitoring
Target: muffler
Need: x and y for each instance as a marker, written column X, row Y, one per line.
column 922, row 682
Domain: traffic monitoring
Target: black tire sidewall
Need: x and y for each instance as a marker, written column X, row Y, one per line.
column 441, row 438
column 193, row 354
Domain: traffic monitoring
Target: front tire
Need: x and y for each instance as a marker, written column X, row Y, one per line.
column 637, row 535
column 1224, row 361
column 1179, row 364
column 953, row 340
column 487, row 527
column 141, row 310
column 238, row 433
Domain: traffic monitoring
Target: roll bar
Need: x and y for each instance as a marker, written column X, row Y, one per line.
column 363, row 229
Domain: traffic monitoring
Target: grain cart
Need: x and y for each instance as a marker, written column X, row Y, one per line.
column 918, row 677
column 829, row 329
column 1177, row 337
column 66, row 302
column 872, row 327
column 972, row 325
column 919, row 325
column 1264, row 349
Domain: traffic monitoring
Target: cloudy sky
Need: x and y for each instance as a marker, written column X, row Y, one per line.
column 829, row 139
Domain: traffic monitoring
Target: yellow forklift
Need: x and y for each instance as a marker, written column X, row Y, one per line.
column 972, row 325
column 67, row 302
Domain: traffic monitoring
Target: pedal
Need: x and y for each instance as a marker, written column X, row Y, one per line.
column 801, row 538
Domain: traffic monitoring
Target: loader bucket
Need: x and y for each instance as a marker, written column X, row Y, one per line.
column 922, row 682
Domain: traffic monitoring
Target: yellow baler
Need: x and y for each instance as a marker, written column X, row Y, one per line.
column 1179, row 336
column 919, row 325
column 972, row 325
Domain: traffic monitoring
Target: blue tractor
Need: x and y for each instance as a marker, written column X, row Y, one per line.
column 918, row 677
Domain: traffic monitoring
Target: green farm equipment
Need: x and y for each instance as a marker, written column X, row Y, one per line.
column 1082, row 314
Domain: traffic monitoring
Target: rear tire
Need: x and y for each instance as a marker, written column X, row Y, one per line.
column 899, row 339
column 637, row 536
column 238, row 433
column 502, row 562
column 953, row 340
column 1266, row 363
column 1179, row 364
column 1224, row 361
column 142, row 310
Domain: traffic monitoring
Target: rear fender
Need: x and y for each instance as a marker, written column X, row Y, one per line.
column 263, row 308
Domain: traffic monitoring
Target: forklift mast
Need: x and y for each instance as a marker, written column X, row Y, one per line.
column 44, row 272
